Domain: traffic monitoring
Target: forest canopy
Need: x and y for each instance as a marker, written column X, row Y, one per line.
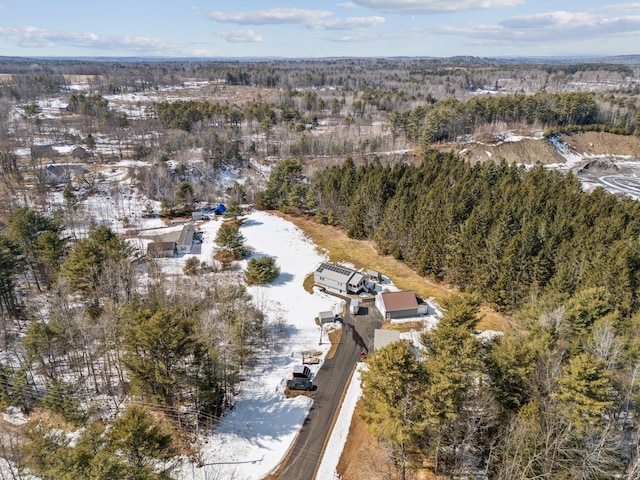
column 505, row 232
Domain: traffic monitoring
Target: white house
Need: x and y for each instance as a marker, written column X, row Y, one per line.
column 185, row 240
column 339, row 279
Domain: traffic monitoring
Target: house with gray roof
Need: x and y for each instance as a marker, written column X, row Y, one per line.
column 339, row 279
column 185, row 240
column 161, row 249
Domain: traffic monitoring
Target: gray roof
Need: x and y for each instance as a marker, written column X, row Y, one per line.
column 186, row 236
column 382, row 338
column 335, row 272
column 356, row 279
column 154, row 248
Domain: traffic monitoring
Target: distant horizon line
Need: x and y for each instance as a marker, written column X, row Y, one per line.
column 344, row 57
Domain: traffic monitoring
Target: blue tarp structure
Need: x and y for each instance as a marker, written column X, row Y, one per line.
column 220, row 209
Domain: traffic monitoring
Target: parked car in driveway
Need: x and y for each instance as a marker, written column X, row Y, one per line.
column 299, row 383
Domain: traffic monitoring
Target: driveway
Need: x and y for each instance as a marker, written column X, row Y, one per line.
column 331, row 381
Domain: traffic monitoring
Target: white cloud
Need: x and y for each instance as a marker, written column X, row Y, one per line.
column 622, row 7
column 316, row 19
column 275, row 16
column 367, row 37
column 241, row 36
column 33, row 37
column 349, row 23
column 433, row 6
column 348, row 5
column 550, row 20
column 553, row 28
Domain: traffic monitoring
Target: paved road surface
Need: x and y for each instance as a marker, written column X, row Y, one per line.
column 331, row 380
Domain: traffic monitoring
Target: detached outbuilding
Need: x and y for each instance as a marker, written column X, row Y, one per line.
column 374, row 275
column 394, row 305
column 326, row 317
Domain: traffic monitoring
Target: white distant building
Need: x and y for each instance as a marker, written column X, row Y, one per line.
column 185, row 240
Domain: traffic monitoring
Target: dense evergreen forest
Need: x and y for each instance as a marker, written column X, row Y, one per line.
column 558, row 390
column 504, row 232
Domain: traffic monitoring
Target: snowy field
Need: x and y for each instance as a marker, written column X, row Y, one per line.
column 254, row 437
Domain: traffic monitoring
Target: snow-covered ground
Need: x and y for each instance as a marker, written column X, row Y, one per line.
column 571, row 158
column 617, row 174
column 254, row 437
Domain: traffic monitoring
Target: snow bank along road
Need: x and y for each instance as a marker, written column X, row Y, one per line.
column 332, row 379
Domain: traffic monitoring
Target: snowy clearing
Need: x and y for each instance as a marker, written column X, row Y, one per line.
column 253, row 437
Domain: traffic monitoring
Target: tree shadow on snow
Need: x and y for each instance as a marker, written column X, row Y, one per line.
column 282, row 279
column 251, row 223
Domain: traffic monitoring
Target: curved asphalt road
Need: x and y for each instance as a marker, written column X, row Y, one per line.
column 331, row 380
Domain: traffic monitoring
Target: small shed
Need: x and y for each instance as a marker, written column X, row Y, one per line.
column 326, row 317
column 354, row 306
column 197, row 216
column 80, row 152
column 382, row 338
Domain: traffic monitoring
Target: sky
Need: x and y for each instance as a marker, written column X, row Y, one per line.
column 313, row 29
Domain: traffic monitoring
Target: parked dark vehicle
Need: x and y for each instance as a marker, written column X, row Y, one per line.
column 299, row 384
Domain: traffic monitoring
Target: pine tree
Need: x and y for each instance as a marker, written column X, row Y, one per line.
column 391, row 388
column 262, row 270
column 142, row 443
column 158, row 342
column 38, row 237
column 10, row 260
column 231, row 241
column 585, row 390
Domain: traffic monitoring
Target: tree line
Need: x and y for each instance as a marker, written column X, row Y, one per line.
column 504, row 232
column 450, row 118
column 555, row 396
